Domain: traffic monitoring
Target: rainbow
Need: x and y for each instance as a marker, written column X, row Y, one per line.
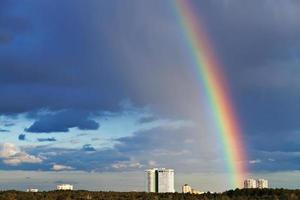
column 209, row 72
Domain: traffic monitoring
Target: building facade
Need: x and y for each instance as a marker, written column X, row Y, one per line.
column 186, row 188
column 194, row 191
column 159, row 180
column 250, row 183
column 259, row 183
column 32, row 190
column 262, row 183
column 150, row 180
column 64, row 187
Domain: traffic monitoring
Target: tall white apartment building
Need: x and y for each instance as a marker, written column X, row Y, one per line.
column 64, row 187
column 258, row 183
column 165, row 180
column 262, row 183
column 250, row 183
column 150, row 178
column 160, row 180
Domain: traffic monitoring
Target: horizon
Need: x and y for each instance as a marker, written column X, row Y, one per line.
column 102, row 90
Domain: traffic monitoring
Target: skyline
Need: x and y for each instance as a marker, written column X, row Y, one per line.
column 47, row 181
column 111, row 88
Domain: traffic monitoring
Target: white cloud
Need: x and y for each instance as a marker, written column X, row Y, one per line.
column 127, row 165
column 57, row 167
column 13, row 155
column 256, row 161
column 152, row 163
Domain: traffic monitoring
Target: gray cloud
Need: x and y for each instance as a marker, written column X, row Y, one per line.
column 52, row 139
column 128, row 154
column 88, row 147
column 147, row 119
column 62, row 121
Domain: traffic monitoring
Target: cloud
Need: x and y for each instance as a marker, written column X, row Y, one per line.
column 52, row 139
column 12, row 155
column 88, row 147
column 22, row 137
column 126, row 165
column 128, row 153
column 274, row 161
column 4, row 130
column 256, row 161
column 100, row 160
column 147, row 119
column 62, row 121
column 11, row 24
column 284, row 141
column 8, row 124
column 57, row 167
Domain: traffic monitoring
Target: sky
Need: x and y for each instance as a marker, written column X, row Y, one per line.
column 95, row 92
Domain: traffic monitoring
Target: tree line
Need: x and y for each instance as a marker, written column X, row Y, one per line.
column 238, row 194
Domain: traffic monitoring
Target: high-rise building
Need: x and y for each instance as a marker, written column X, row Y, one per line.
column 160, row 180
column 186, row 188
column 150, row 180
column 258, row 183
column 262, row 183
column 250, row 183
column 64, row 187
column 165, row 180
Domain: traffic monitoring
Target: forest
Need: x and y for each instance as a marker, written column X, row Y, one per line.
column 238, row 194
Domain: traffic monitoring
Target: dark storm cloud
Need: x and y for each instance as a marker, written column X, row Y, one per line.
column 56, row 66
column 280, row 141
column 10, row 25
column 90, row 55
column 258, row 45
column 52, row 139
column 253, row 33
column 62, row 121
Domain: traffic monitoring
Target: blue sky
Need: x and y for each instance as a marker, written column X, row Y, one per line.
column 108, row 87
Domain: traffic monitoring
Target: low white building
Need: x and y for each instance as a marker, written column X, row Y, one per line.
column 194, row 191
column 64, row 187
column 32, row 190
column 186, row 188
